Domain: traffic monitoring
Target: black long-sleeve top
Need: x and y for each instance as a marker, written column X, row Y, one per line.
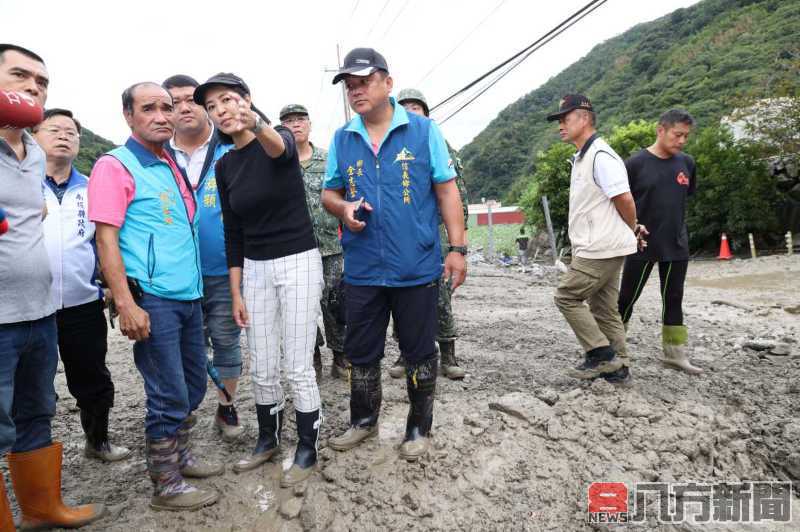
column 264, row 208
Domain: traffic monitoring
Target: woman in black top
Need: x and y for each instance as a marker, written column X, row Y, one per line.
column 269, row 241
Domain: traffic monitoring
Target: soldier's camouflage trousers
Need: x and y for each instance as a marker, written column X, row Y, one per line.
column 447, row 323
column 334, row 331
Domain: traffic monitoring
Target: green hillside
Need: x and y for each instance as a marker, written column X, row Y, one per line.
column 703, row 58
column 92, row 147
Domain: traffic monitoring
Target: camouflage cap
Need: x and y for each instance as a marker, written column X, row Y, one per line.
column 293, row 109
column 413, row 95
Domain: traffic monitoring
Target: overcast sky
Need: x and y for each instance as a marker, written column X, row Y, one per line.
column 95, row 49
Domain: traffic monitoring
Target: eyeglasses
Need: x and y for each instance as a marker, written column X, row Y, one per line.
column 293, row 119
column 71, row 134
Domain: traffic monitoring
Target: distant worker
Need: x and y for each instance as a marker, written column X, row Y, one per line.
column 662, row 177
column 522, row 248
column 415, row 102
column 602, row 231
column 326, row 230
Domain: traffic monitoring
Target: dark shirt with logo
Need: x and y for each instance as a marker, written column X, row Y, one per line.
column 660, row 188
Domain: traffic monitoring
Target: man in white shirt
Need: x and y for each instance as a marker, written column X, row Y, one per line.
column 69, row 239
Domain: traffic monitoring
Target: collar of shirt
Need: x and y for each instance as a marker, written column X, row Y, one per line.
column 586, row 146
column 203, row 145
column 27, row 141
column 399, row 118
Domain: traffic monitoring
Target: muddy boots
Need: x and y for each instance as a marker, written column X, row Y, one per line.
column 449, row 365
column 305, row 456
column 270, row 424
column 598, row 362
column 421, row 383
column 398, row 369
column 673, row 338
column 170, row 490
column 36, row 476
column 227, row 422
column 95, row 426
column 365, row 406
column 340, row 367
column 190, row 466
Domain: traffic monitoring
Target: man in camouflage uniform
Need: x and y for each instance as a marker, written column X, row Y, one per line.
column 414, row 101
column 326, row 228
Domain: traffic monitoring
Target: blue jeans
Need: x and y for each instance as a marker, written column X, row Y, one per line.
column 28, row 360
column 223, row 331
column 172, row 362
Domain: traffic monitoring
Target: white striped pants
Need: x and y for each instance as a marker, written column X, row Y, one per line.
column 282, row 298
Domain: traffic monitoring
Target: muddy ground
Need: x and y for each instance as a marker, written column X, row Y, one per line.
column 517, row 441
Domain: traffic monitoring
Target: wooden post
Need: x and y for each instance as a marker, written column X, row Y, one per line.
column 752, row 245
column 550, row 232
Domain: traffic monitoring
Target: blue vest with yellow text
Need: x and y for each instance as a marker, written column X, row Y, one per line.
column 209, row 213
column 159, row 243
column 400, row 244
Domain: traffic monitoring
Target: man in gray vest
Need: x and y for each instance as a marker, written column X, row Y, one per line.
column 602, row 231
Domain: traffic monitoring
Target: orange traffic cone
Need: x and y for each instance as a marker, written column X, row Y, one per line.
column 724, row 249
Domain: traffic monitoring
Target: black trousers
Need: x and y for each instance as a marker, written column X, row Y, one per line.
column 82, row 345
column 672, row 275
column 367, row 311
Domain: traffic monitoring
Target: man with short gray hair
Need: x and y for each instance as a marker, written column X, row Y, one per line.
column 602, row 231
column 145, row 213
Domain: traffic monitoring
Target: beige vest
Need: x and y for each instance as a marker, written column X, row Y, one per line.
column 596, row 230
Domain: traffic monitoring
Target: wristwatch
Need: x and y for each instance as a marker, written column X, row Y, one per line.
column 259, row 125
column 457, row 249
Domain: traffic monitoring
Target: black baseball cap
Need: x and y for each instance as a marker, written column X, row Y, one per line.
column 568, row 103
column 361, row 62
column 223, row 78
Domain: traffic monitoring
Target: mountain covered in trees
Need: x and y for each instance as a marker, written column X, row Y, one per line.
column 705, row 58
column 92, row 147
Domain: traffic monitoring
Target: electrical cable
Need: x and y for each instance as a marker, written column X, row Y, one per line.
column 566, row 21
column 540, row 44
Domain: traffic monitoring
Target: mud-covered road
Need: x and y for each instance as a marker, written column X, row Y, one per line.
column 517, row 442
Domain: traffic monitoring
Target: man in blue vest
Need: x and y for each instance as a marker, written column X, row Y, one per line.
column 144, row 211
column 196, row 147
column 389, row 176
column 69, row 239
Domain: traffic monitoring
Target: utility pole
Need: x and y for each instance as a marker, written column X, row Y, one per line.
column 490, row 236
column 344, row 90
column 550, row 233
column 347, row 115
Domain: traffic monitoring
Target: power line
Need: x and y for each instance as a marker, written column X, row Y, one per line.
column 566, row 21
column 457, row 46
column 391, row 24
column 523, row 58
column 375, row 24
